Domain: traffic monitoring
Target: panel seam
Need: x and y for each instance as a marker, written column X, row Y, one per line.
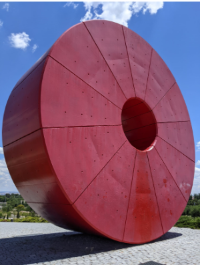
column 128, row 59
column 155, row 193
column 129, row 196
column 163, row 96
column 175, row 148
column 62, row 127
column 172, row 121
column 148, row 74
column 98, row 173
column 170, row 174
column 22, row 137
column 85, row 82
column 104, row 59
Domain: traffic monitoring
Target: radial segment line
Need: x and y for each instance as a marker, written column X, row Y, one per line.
column 148, row 73
column 128, row 58
column 87, row 126
column 85, row 82
column 129, row 195
column 172, row 121
column 164, row 95
column 99, row 173
column 175, row 148
column 170, row 173
column 104, row 59
column 155, row 193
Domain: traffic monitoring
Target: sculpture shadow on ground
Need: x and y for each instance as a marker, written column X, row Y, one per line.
column 29, row 249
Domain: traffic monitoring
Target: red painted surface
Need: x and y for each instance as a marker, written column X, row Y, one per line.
column 171, row 202
column 180, row 166
column 143, row 221
column 139, row 52
column 111, row 202
column 97, row 136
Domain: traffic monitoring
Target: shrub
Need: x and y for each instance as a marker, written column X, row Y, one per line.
column 188, row 222
column 5, row 220
column 30, row 219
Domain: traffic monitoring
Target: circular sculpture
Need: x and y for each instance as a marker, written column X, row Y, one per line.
column 97, row 136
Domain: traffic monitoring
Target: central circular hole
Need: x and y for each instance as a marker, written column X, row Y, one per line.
column 139, row 123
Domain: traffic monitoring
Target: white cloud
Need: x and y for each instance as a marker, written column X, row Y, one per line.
column 3, row 169
column 198, row 146
column 35, row 46
column 152, row 7
column 71, row 4
column 6, row 183
column 120, row 12
column 196, row 183
column 198, row 163
column 6, row 6
column 1, row 23
column 1, row 150
column 19, row 40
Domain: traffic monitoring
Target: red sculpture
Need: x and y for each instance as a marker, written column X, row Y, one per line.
column 97, row 136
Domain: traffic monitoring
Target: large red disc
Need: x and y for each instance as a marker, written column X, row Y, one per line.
column 97, row 136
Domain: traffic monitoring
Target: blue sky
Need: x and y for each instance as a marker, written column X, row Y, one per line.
column 27, row 30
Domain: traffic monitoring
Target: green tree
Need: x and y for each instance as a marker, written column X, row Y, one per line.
column 6, row 209
column 195, row 211
column 8, row 214
column 19, row 208
column 15, row 213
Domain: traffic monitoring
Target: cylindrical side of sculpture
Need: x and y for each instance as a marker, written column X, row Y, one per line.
column 97, row 136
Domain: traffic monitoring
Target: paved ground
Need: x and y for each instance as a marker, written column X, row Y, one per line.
column 28, row 243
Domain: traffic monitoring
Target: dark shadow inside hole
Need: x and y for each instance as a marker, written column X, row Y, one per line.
column 139, row 123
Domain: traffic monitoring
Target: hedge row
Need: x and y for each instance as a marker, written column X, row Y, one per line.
column 188, row 222
column 28, row 219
